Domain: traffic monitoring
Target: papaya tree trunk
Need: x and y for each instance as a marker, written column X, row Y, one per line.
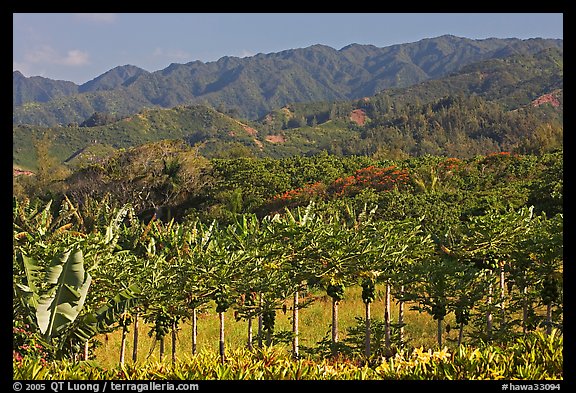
column 123, row 344
column 489, row 313
column 249, row 341
column 86, row 349
column 222, row 354
column 401, row 314
column 368, row 332
column 387, row 316
column 269, row 337
column 549, row 318
column 460, row 334
column 194, row 331
column 135, row 339
column 174, row 331
column 440, row 332
column 502, row 298
column 162, row 348
column 295, row 321
column 334, row 325
column 525, row 310
column 260, row 322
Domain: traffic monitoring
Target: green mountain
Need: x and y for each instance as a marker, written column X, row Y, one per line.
column 509, row 104
column 39, row 89
column 251, row 87
column 115, row 78
column 75, row 144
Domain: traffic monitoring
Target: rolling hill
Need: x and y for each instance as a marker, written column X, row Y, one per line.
column 491, row 105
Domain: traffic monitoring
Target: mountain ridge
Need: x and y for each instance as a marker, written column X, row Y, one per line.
column 496, row 104
column 254, row 85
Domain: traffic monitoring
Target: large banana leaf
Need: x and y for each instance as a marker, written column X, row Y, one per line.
column 29, row 292
column 102, row 319
column 63, row 302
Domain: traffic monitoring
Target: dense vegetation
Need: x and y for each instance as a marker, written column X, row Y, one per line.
column 444, row 197
column 480, row 239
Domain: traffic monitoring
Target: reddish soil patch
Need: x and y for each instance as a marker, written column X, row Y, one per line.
column 251, row 131
column 546, row 98
column 18, row 172
column 275, row 139
column 358, row 116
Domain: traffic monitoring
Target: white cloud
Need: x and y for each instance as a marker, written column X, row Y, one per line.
column 45, row 54
column 172, row 54
column 98, row 18
column 75, row 58
column 22, row 67
column 246, row 53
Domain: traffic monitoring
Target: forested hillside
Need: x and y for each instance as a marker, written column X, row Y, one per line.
column 249, row 87
column 512, row 104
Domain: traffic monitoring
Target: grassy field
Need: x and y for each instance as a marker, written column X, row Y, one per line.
column 315, row 321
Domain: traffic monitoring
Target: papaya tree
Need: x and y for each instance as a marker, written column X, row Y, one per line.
column 225, row 263
column 340, row 247
column 296, row 232
column 547, row 253
column 489, row 241
column 196, row 290
column 267, row 282
column 398, row 244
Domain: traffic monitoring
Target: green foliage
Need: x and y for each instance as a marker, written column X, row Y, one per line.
column 335, row 290
column 537, row 357
column 439, row 247
column 368, row 290
column 69, row 284
column 156, row 179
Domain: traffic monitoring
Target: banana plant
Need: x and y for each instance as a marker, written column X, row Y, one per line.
column 116, row 310
column 54, row 238
column 58, row 299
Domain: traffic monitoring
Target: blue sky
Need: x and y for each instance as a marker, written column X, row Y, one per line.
column 79, row 47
